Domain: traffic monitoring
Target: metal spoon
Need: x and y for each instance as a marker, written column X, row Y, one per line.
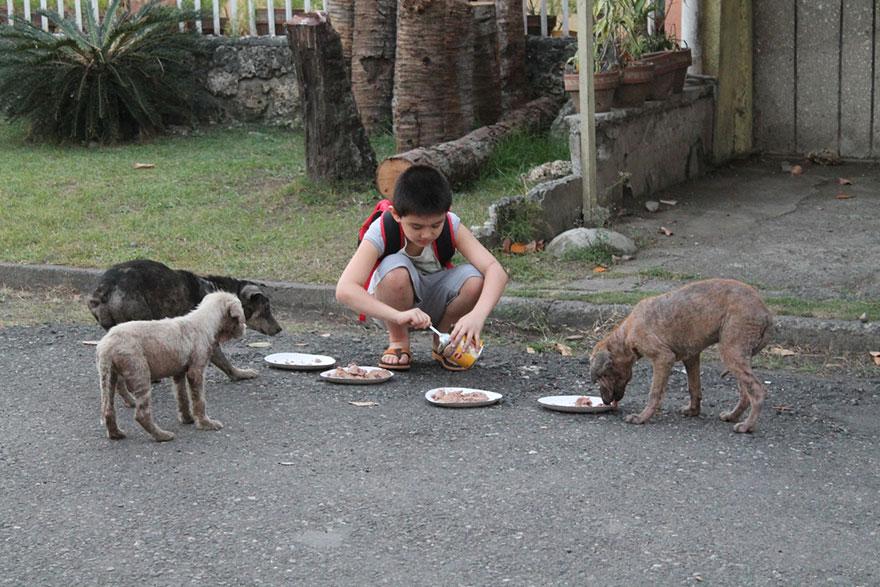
column 444, row 338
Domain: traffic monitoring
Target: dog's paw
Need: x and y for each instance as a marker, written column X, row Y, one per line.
column 115, row 434
column 634, row 419
column 241, row 374
column 727, row 417
column 209, row 424
column 163, row 436
column 686, row 410
column 185, row 418
column 742, row 427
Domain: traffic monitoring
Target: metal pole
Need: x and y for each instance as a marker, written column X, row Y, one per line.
column 588, row 112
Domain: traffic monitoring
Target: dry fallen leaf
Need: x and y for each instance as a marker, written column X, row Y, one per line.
column 563, row 349
column 574, row 337
column 260, row 344
column 797, row 170
column 600, row 269
column 144, row 165
column 666, row 231
column 780, row 409
column 843, row 196
column 300, row 344
column 669, row 202
column 876, row 356
column 843, row 181
column 530, row 350
column 363, row 404
column 90, row 342
column 782, row 352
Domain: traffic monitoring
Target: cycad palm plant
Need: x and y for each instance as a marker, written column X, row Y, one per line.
column 131, row 74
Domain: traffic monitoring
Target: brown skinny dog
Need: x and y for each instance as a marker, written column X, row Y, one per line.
column 138, row 352
column 678, row 326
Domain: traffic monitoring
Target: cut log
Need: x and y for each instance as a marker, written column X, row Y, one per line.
column 372, row 67
column 341, row 14
column 486, row 80
column 511, row 53
column 336, row 143
column 428, row 107
column 460, row 160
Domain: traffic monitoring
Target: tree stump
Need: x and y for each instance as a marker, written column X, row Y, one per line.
column 486, row 80
column 342, row 20
column 511, row 53
column 430, row 104
column 336, row 144
column 460, row 160
column 374, row 41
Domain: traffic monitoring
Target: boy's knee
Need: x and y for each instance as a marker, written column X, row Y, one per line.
column 471, row 288
column 396, row 280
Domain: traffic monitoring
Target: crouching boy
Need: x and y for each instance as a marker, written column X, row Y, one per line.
column 404, row 260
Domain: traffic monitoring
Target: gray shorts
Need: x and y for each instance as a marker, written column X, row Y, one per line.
column 433, row 291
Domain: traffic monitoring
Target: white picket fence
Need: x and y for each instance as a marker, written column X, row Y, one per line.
column 215, row 15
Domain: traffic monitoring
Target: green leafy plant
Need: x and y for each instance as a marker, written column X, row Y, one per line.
column 130, row 75
column 521, row 221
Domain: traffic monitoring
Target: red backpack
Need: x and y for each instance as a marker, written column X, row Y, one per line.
column 392, row 236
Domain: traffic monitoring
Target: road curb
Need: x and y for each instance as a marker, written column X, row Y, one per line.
column 535, row 313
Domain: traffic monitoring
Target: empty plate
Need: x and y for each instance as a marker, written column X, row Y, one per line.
column 300, row 361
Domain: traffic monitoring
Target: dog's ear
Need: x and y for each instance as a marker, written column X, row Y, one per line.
column 251, row 291
column 599, row 364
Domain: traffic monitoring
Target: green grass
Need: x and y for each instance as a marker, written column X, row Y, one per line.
column 222, row 200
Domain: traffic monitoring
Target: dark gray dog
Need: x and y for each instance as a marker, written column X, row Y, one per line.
column 148, row 290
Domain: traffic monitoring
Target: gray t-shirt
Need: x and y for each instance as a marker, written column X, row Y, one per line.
column 427, row 261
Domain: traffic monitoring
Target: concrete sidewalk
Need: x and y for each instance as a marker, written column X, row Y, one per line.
column 790, row 235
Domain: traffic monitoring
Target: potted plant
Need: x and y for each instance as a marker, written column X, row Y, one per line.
column 533, row 18
column 606, row 67
column 661, row 49
column 638, row 75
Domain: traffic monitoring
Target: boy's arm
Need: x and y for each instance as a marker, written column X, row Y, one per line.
column 350, row 290
column 494, row 281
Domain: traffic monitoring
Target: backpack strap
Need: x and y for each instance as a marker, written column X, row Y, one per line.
column 444, row 246
column 392, row 235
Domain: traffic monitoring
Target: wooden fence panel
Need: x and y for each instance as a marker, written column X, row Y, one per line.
column 856, row 83
column 774, row 58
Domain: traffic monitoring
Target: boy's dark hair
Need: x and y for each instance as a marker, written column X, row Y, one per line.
column 422, row 190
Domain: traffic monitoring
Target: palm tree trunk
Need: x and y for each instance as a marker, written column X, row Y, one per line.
column 374, row 41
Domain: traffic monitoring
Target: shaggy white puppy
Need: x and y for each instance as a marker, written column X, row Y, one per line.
column 133, row 354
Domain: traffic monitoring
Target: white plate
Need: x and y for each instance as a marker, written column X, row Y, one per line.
column 300, row 361
column 565, row 403
column 329, row 376
column 493, row 398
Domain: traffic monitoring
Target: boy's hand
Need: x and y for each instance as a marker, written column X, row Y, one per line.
column 468, row 328
column 414, row 318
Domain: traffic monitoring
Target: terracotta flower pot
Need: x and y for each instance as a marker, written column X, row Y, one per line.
column 683, row 59
column 533, row 23
column 604, row 84
column 666, row 66
column 635, row 84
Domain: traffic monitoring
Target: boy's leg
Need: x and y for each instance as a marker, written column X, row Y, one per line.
column 463, row 303
column 395, row 288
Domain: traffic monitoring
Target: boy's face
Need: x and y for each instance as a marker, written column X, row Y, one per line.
column 421, row 230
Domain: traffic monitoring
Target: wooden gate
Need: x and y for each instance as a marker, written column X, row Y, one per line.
column 816, row 80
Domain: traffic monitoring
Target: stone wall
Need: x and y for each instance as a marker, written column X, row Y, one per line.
column 639, row 151
column 253, row 78
column 545, row 62
column 253, row 81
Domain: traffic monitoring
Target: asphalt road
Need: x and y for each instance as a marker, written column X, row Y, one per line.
column 302, row 488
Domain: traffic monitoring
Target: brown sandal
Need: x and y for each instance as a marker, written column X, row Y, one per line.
column 397, row 352
column 445, row 362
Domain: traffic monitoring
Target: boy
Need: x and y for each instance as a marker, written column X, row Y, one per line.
column 410, row 288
